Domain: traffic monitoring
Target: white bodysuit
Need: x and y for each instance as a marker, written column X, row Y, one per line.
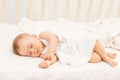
column 76, row 44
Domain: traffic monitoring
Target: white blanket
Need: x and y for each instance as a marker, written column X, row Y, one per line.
column 76, row 42
column 13, row 67
column 71, row 34
column 109, row 31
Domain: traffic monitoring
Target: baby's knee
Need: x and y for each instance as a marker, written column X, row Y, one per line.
column 95, row 58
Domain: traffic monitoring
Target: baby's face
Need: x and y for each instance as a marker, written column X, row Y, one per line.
column 30, row 46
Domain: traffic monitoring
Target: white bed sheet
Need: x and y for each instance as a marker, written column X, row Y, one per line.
column 13, row 67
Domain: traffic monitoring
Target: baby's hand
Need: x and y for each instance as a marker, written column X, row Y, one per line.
column 46, row 56
column 45, row 64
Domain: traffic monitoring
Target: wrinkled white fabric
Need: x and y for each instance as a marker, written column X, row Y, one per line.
column 108, row 31
column 14, row 67
column 76, row 44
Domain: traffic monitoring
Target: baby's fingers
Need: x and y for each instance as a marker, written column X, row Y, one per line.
column 43, row 65
column 48, row 57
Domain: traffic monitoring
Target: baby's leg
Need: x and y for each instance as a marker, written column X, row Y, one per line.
column 99, row 48
column 95, row 58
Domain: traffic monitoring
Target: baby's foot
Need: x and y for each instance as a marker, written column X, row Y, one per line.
column 111, row 62
column 112, row 55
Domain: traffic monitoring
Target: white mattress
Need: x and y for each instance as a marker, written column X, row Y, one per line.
column 13, row 67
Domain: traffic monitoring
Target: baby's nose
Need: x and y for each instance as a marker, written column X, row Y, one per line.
column 35, row 50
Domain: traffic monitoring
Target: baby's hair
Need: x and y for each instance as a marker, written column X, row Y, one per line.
column 16, row 42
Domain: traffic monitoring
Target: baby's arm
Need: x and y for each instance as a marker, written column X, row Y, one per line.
column 47, row 63
column 52, row 40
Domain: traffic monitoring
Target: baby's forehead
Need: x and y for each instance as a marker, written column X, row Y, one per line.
column 24, row 42
column 24, row 39
column 26, row 36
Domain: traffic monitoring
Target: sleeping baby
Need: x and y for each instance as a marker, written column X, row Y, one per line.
column 67, row 47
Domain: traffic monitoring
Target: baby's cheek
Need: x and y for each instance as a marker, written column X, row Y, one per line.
column 34, row 55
